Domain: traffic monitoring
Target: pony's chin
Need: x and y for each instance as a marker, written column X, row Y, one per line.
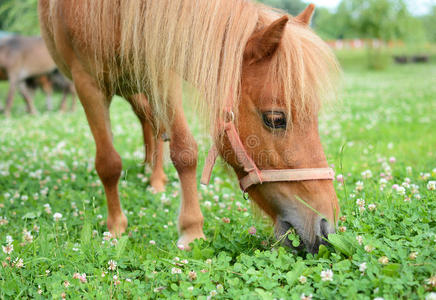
column 281, row 233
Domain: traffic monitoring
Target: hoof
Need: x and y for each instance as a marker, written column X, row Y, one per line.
column 117, row 226
column 186, row 239
column 158, row 184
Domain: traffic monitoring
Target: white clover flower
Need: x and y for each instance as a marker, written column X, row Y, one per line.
column 8, row 249
column 213, row 293
column 18, row 263
column 192, row 275
column 176, row 271
column 383, row 260
column 401, row 190
column 431, row 185
column 27, row 236
column 57, row 216
column 409, row 170
column 304, row 297
column 208, row 204
column 413, row 255
column 405, row 185
column 112, row 265
column 360, row 202
column 431, row 296
column 47, row 207
column 359, row 239
column 362, row 267
column 9, row 239
column 369, row 248
column 414, row 188
column 425, row 176
column 366, row 174
column 359, row 186
column 327, row 275
column 152, row 242
column 302, row 279
column 372, row 207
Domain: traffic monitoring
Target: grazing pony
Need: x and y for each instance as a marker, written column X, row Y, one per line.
column 260, row 75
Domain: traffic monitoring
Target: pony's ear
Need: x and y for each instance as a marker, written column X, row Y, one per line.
column 263, row 44
column 306, row 15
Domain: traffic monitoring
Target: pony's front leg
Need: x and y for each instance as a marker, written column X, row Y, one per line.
column 184, row 155
column 107, row 161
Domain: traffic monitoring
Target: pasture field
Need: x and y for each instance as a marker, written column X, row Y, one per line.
column 380, row 137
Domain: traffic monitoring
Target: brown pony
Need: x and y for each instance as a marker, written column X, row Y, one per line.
column 22, row 58
column 254, row 66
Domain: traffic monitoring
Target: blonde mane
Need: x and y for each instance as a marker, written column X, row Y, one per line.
column 138, row 46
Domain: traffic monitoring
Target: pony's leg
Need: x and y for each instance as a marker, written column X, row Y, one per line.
column 154, row 156
column 63, row 106
column 184, row 154
column 107, row 162
column 154, row 147
column 10, row 96
column 48, row 90
column 28, row 97
column 73, row 99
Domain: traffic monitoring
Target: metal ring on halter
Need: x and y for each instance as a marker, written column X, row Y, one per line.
column 232, row 117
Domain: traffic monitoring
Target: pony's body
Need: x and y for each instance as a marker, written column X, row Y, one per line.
column 228, row 49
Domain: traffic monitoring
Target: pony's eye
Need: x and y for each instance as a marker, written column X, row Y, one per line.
column 274, row 119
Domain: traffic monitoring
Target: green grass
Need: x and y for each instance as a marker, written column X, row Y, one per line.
column 49, row 160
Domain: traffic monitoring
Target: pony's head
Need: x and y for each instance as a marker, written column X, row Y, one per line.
column 285, row 69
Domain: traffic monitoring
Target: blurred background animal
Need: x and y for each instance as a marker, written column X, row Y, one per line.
column 26, row 64
column 54, row 82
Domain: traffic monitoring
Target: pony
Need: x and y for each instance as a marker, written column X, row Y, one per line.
column 260, row 74
column 22, row 58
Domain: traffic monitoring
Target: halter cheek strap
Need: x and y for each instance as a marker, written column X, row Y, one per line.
column 254, row 175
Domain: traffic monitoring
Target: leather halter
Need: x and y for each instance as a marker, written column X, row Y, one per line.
column 254, row 175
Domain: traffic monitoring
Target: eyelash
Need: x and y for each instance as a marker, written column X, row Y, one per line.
column 279, row 123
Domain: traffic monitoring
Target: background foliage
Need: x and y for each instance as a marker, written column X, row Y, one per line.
column 382, row 19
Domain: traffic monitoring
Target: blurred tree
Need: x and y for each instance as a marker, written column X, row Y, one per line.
column 429, row 22
column 376, row 19
column 294, row 7
column 20, row 16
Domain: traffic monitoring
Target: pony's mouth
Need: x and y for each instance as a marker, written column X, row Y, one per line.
column 285, row 229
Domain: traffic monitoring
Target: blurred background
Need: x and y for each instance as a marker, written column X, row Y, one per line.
column 364, row 33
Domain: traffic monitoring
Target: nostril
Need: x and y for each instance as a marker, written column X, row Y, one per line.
column 324, row 224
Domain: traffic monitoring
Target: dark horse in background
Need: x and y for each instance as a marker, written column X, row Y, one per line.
column 27, row 65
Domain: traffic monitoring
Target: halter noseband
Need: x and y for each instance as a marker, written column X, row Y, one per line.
column 254, row 175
